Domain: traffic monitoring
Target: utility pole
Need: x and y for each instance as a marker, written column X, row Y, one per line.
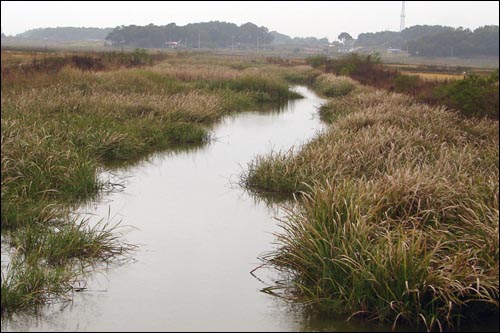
column 403, row 15
column 199, row 40
column 232, row 42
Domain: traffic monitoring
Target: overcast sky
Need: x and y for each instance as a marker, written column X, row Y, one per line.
column 294, row 18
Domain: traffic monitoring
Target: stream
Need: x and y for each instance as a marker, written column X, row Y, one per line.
column 199, row 236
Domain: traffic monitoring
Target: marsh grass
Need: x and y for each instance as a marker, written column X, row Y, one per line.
column 48, row 259
column 330, row 85
column 60, row 126
column 48, row 262
column 66, row 239
column 28, row 285
column 398, row 214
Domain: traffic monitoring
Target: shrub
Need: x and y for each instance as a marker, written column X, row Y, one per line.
column 473, row 96
column 317, row 60
column 333, row 86
column 406, row 83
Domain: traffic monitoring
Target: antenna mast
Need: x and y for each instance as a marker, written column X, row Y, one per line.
column 403, row 15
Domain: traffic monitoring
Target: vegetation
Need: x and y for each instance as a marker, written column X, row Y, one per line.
column 420, row 40
column 344, row 36
column 279, row 38
column 458, row 43
column 398, row 217
column 317, row 60
column 66, row 33
column 208, row 34
column 18, row 66
column 331, row 86
column 437, row 41
column 398, row 212
column 61, row 125
column 396, row 39
column 50, row 258
column 472, row 96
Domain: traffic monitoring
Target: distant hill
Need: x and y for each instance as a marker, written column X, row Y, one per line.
column 66, row 33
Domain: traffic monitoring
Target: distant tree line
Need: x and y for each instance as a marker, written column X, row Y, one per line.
column 396, row 39
column 309, row 41
column 458, row 42
column 206, row 35
column 437, row 41
column 66, row 33
column 421, row 40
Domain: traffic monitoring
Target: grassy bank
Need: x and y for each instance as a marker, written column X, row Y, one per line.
column 398, row 220
column 473, row 94
column 65, row 118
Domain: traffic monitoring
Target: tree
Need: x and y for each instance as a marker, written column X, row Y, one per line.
column 344, row 36
column 210, row 34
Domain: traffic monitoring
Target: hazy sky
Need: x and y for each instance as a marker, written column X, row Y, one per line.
column 294, row 18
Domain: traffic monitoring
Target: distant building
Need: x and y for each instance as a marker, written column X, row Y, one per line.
column 173, row 45
column 347, row 47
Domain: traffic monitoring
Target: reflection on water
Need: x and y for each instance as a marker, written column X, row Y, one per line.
column 199, row 238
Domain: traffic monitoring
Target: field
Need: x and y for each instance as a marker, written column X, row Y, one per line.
column 478, row 62
column 440, row 72
column 436, row 76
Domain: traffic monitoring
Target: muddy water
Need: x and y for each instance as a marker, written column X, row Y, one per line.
column 199, row 236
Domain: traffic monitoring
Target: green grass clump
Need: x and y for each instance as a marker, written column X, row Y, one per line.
column 333, row 86
column 48, row 259
column 28, row 284
column 398, row 217
column 334, row 109
column 60, row 241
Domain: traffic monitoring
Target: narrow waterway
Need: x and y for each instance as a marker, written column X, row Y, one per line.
column 199, row 236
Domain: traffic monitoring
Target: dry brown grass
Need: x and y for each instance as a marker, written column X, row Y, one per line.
column 399, row 214
column 436, row 76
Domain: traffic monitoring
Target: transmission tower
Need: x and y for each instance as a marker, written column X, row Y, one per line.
column 402, row 23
